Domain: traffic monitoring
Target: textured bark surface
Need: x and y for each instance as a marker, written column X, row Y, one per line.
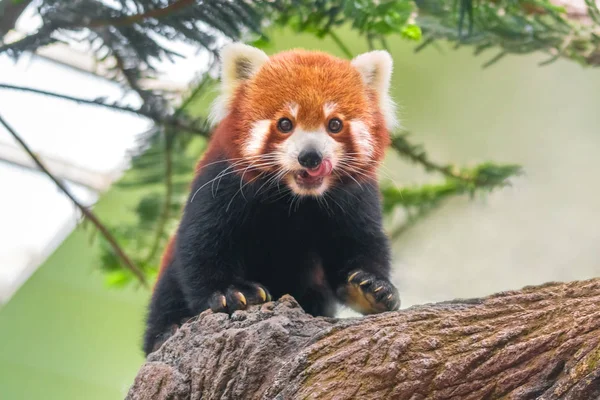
column 537, row 343
column 10, row 11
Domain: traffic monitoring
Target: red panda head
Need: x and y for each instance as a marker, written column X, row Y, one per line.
column 305, row 118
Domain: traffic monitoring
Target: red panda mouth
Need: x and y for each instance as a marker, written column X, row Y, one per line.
column 306, row 180
column 313, row 178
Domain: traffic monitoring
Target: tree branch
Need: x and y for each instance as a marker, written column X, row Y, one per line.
column 136, row 18
column 536, row 343
column 417, row 154
column 170, row 122
column 86, row 212
column 78, row 100
column 484, row 176
column 48, row 29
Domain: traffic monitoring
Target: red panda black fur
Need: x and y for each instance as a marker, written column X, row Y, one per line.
column 285, row 199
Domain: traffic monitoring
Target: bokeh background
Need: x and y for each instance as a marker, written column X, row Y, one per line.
column 65, row 335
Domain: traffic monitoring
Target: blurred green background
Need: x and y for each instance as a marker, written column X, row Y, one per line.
column 65, row 335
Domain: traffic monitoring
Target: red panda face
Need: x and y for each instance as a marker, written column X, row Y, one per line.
column 306, row 118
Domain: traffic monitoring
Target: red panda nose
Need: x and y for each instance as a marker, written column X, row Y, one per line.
column 310, row 158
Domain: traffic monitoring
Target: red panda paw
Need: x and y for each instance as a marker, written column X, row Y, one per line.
column 368, row 294
column 239, row 297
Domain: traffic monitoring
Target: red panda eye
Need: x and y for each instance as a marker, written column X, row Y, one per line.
column 285, row 125
column 335, row 125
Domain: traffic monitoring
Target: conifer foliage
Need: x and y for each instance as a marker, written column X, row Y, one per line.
column 130, row 36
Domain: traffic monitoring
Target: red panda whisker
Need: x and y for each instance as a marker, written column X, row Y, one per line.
column 279, row 194
column 352, row 161
column 242, row 179
column 338, row 175
column 351, row 171
column 241, row 189
column 350, row 164
column 320, row 204
column 276, row 177
column 348, row 157
column 253, row 166
column 389, row 176
column 327, row 205
column 284, row 193
column 350, row 193
column 351, row 168
column 353, row 154
column 237, row 159
column 361, row 173
column 348, row 173
column 354, row 179
column 333, row 199
column 219, row 176
column 208, row 183
column 236, row 164
column 294, row 198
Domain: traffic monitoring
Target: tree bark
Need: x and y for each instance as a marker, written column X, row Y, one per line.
column 10, row 11
column 536, row 343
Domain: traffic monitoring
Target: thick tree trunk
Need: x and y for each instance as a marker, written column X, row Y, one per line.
column 537, row 343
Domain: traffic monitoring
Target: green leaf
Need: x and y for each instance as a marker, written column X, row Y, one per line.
column 412, row 32
column 118, row 278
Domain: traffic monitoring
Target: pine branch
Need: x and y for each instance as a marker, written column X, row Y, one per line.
column 411, row 221
column 419, row 201
column 157, row 13
column 485, row 176
column 173, row 122
column 89, row 215
column 179, row 20
column 417, row 154
column 96, row 102
column 49, row 28
column 166, row 211
column 555, row 27
column 169, row 187
column 340, row 44
column 156, row 165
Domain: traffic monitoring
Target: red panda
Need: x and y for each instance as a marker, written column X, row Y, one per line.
column 285, row 199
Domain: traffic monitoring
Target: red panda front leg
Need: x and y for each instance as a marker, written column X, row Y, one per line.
column 210, row 264
column 366, row 293
column 358, row 254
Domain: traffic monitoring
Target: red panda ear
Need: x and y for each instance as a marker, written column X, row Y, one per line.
column 239, row 62
column 375, row 67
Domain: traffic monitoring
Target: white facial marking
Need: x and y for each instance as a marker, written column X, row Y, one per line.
column 329, row 108
column 257, row 137
column 362, row 137
column 301, row 139
column 293, row 107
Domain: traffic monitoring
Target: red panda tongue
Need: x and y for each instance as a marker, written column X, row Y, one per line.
column 323, row 169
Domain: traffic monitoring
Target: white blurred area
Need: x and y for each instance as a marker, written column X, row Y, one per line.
column 86, row 146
